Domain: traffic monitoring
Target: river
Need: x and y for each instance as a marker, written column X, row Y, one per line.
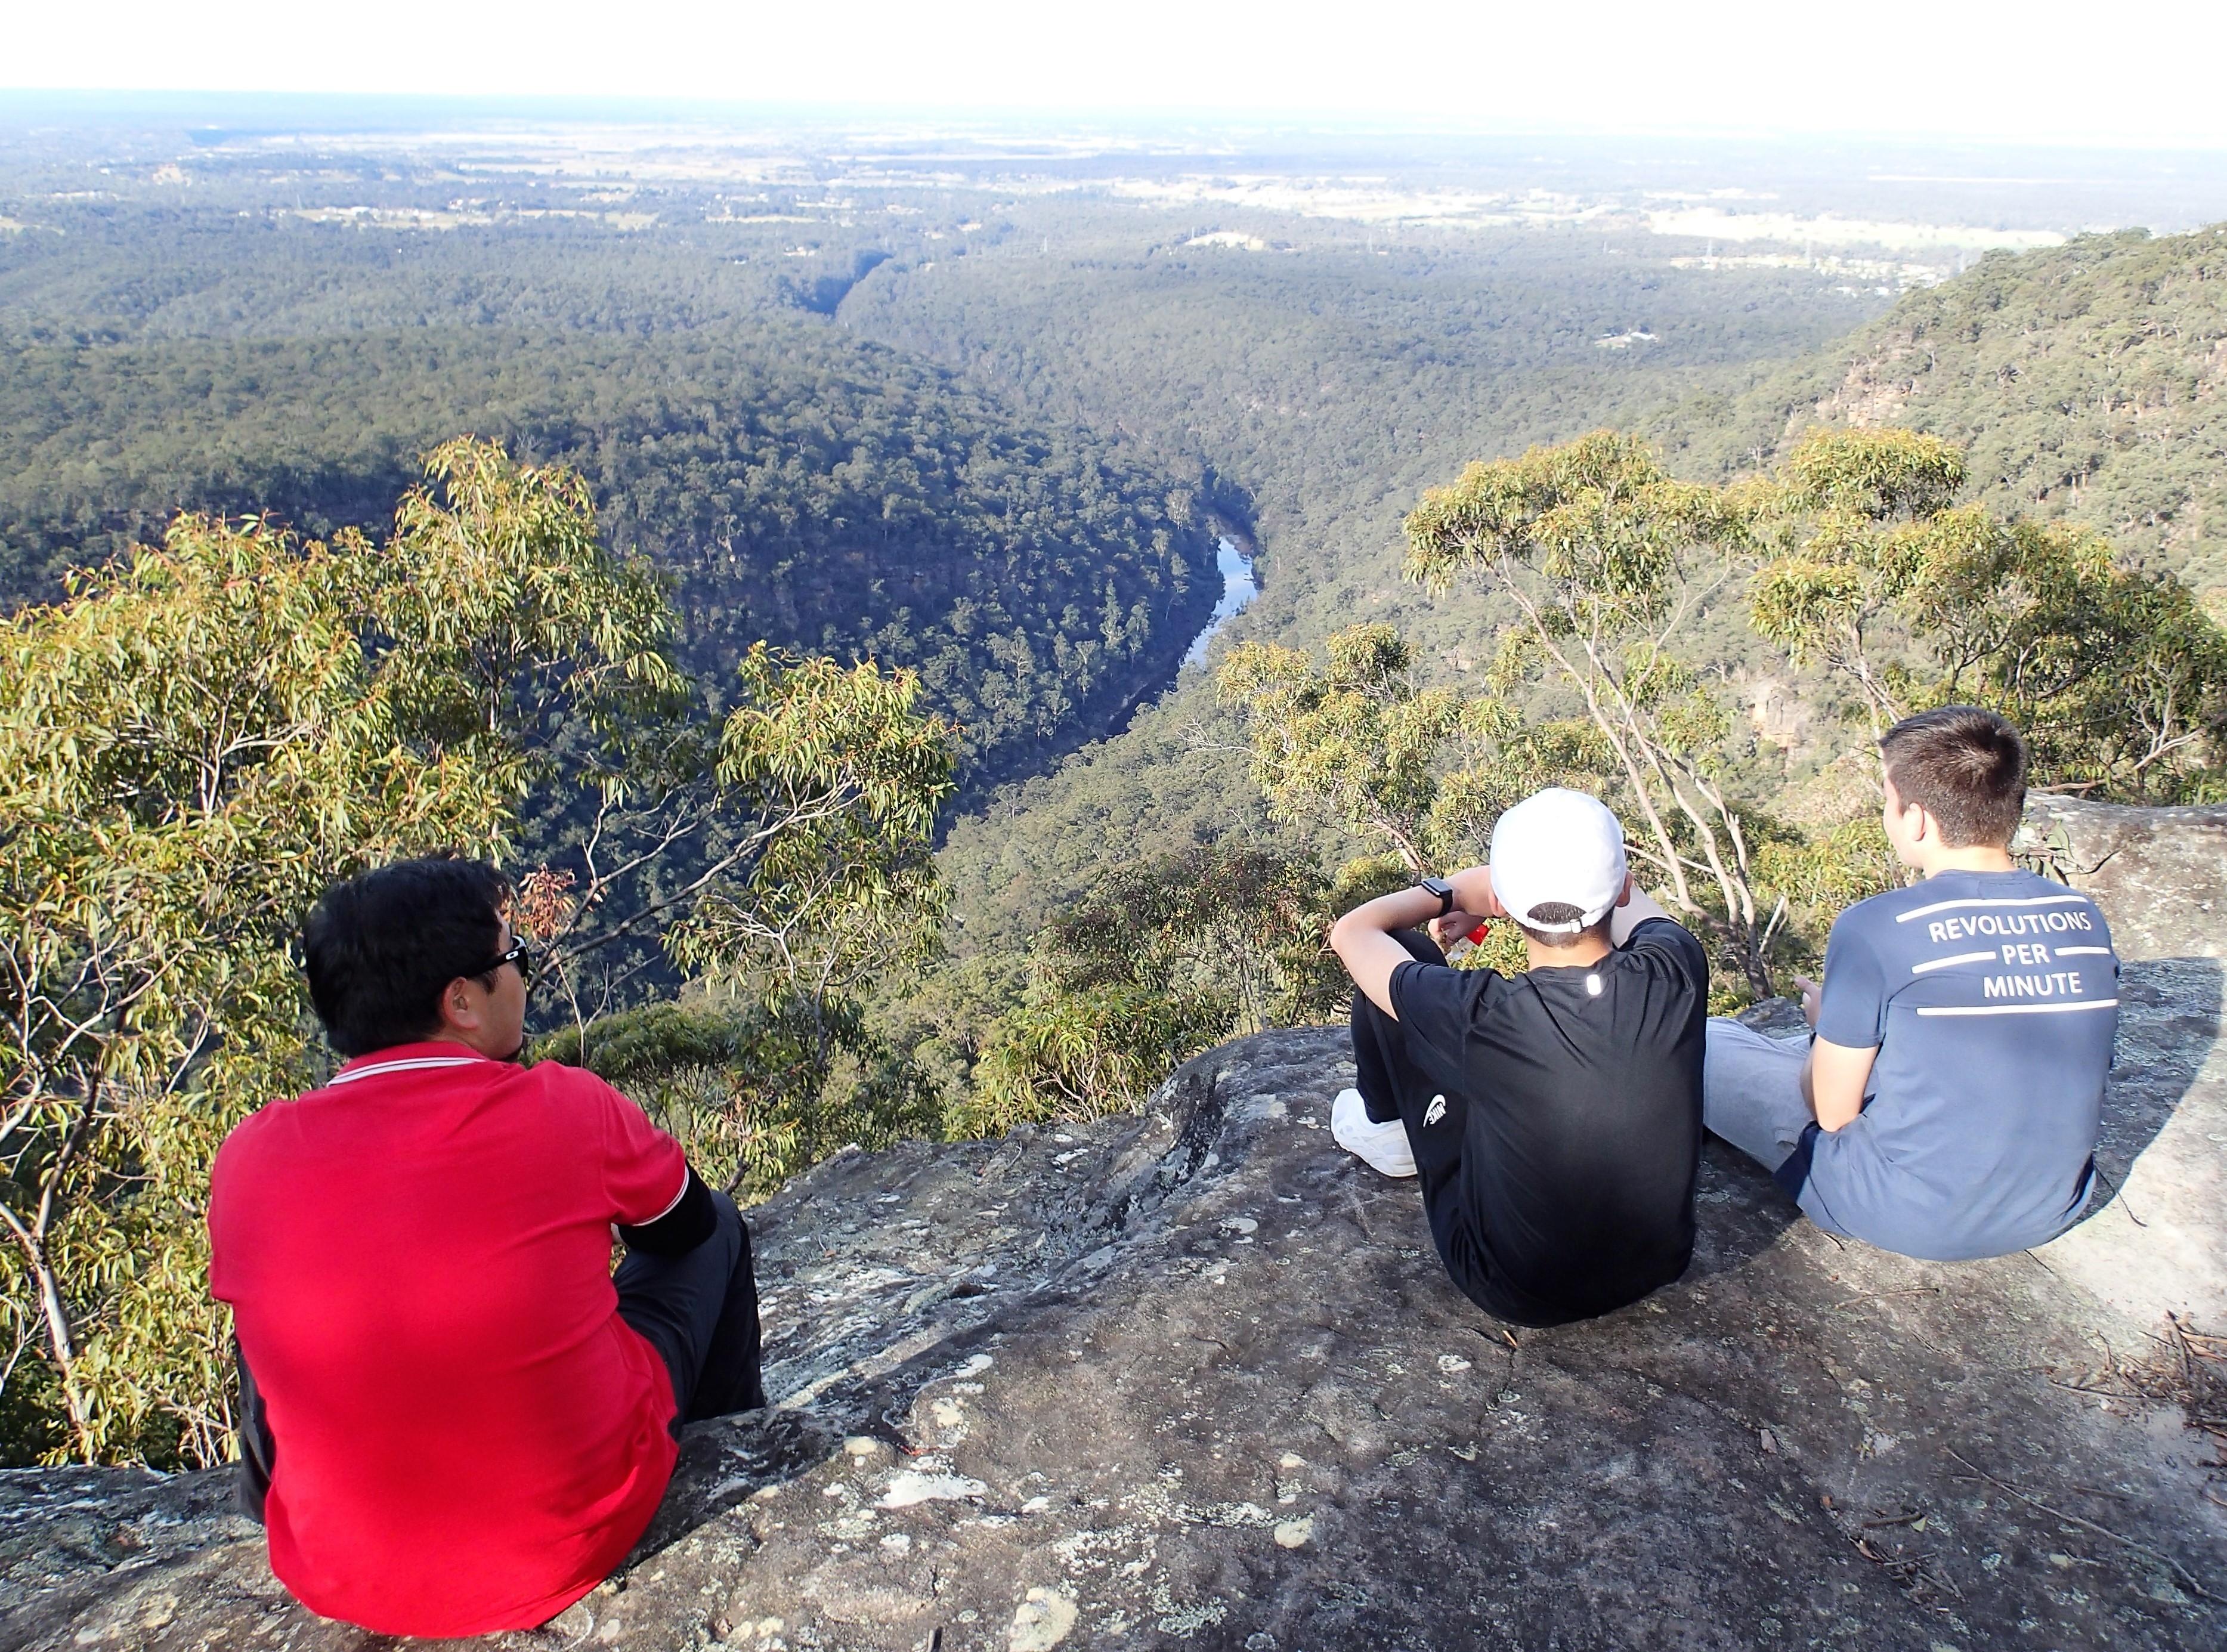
column 1238, row 589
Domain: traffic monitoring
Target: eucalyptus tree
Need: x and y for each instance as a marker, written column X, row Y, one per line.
column 1606, row 559
column 203, row 736
column 1848, row 523
column 1161, row 959
column 1418, row 773
column 2116, row 675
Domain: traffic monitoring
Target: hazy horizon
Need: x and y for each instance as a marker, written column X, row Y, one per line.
column 1902, row 67
column 1932, row 200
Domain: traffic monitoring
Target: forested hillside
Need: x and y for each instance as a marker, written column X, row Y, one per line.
column 1332, row 386
column 800, row 487
column 968, row 451
column 2085, row 382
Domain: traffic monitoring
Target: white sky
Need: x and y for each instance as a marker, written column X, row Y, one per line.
column 2086, row 73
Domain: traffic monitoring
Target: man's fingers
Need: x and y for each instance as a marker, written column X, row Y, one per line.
column 1451, row 926
column 1813, row 998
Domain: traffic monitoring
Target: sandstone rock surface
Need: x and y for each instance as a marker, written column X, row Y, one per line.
column 1194, row 1378
column 2160, row 876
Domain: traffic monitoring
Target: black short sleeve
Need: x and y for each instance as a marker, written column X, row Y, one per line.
column 1437, row 1005
column 1675, row 944
column 692, row 1219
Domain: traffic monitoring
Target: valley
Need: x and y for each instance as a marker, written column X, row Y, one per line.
column 1051, row 422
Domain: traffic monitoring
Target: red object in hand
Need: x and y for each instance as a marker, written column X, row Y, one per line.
column 1476, row 935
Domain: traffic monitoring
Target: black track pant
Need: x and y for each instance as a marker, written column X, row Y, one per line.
column 699, row 1310
column 1411, row 1084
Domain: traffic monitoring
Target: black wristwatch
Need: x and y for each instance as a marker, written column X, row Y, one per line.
column 1444, row 890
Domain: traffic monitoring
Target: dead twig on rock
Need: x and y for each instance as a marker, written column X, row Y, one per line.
column 2188, row 1368
column 2187, row 1580
column 1911, row 1573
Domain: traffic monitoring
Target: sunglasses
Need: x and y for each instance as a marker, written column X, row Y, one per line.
column 519, row 953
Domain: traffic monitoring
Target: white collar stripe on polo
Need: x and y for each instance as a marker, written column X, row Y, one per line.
column 355, row 1073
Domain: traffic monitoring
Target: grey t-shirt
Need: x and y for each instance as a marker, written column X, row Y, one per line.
column 1993, row 998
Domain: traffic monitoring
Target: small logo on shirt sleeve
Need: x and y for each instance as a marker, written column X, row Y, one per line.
column 1436, row 1111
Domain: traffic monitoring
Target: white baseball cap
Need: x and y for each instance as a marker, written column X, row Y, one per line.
column 1561, row 846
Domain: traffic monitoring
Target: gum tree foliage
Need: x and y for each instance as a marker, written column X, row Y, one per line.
column 1850, row 521
column 2116, row 676
column 194, row 744
column 1159, row 960
column 1420, row 774
column 1606, row 559
column 823, row 796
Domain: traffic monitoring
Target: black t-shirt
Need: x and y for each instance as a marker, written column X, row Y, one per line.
column 1584, row 1121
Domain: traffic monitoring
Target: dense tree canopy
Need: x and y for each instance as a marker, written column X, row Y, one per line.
column 2082, row 383
column 797, row 487
column 201, row 737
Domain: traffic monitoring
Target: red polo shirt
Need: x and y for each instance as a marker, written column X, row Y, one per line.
column 417, row 1256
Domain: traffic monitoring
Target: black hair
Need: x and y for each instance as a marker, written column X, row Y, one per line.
column 1563, row 912
column 1965, row 767
column 379, row 948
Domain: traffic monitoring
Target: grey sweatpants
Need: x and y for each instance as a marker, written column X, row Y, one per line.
column 1751, row 1091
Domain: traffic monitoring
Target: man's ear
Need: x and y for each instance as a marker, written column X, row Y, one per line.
column 458, row 1012
column 1624, row 895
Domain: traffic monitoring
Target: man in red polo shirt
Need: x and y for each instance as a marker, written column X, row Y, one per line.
column 455, row 1419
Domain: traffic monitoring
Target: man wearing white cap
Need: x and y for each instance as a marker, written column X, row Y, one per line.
column 1553, row 1118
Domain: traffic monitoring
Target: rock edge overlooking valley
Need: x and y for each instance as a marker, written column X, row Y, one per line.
column 1194, row 1377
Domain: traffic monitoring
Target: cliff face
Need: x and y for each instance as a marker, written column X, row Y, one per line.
column 1197, row 1377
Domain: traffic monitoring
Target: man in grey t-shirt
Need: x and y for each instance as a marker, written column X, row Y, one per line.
column 1950, row 1104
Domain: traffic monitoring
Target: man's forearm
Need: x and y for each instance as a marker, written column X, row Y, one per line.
column 1363, row 940
column 1405, row 908
column 1834, row 1080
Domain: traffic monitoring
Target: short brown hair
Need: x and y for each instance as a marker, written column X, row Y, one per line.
column 1965, row 767
column 1563, row 912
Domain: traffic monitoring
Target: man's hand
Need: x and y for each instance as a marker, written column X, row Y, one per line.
column 1452, row 926
column 1475, row 905
column 1473, row 896
column 1813, row 996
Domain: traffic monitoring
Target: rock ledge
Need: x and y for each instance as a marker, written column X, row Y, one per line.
column 1195, row 1377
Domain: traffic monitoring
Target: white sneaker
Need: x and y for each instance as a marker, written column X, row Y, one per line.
column 1383, row 1148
